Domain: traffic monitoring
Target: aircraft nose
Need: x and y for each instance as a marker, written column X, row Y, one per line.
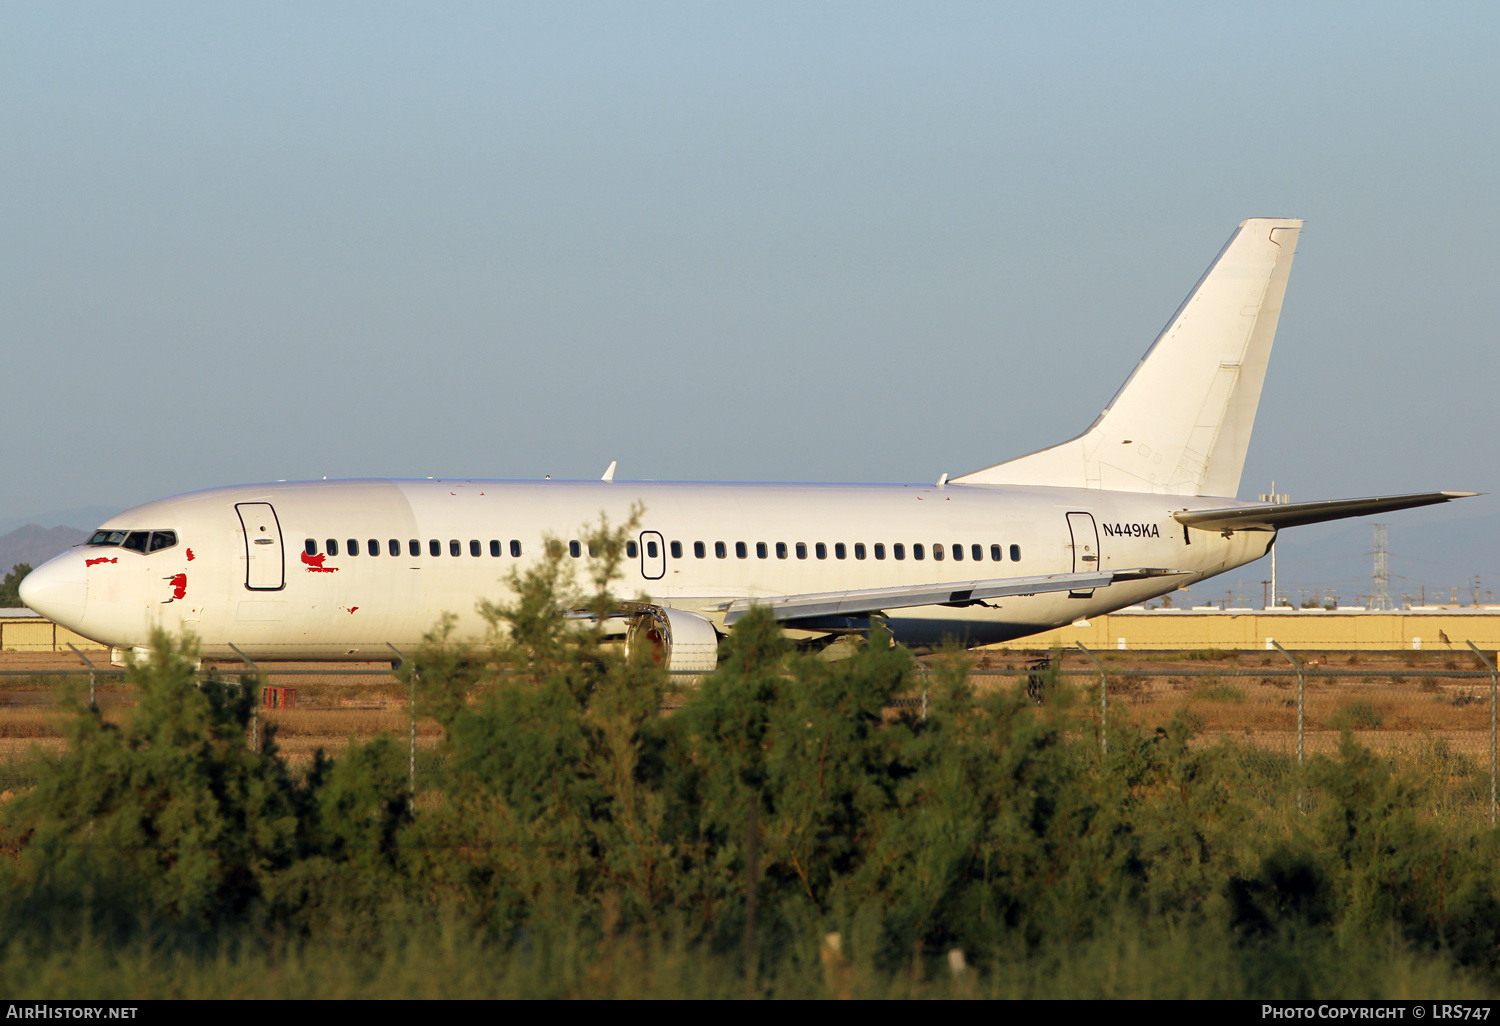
column 58, row 589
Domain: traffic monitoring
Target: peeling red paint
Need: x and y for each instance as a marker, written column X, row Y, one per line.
column 179, row 586
column 101, row 559
column 190, row 555
column 315, row 564
column 353, row 608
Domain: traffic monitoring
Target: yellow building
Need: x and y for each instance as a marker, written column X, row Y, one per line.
column 1422, row 628
column 21, row 630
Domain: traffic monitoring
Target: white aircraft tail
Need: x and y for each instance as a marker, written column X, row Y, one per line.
column 1180, row 425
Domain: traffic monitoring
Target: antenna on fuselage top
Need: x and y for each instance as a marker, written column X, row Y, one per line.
column 609, row 475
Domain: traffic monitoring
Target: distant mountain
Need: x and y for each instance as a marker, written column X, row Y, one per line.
column 84, row 518
column 35, row 545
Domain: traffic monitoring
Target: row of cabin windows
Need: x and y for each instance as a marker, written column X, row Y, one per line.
column 353, row 546
column 820, row 550
column 976, row 552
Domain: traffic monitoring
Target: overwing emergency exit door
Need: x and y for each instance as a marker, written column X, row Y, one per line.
column 653, row 556
column 265, row 570
column 1085, row 548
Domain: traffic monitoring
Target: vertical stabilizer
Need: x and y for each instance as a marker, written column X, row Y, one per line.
column 1180, row 425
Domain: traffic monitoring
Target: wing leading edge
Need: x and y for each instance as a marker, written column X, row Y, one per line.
column 958, row 593
column 1296, row 514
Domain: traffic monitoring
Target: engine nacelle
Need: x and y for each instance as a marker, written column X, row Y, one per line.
column 675, row 639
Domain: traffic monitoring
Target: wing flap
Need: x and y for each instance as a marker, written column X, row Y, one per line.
column 1295, row 514
column 870, row 600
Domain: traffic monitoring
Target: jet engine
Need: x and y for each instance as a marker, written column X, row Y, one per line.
column 675, row 639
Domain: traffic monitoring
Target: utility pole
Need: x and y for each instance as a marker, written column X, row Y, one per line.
column 1279, row 500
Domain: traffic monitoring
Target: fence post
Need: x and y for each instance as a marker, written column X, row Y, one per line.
column 254, row 700
column 86, row 662
column 411, row 755
column 1103, row 701
column 1301, row 710
column 752, row 875
column 1494, row 685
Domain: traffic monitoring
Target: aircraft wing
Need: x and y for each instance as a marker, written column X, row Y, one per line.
column 1295, row 514
column 870, row 600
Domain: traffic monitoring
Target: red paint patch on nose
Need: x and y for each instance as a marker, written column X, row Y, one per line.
column 353, row 608
column 179, row 585
column 190, row 555
column 101, row 559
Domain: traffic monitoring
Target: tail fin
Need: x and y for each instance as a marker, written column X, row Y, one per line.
column 1180, row 425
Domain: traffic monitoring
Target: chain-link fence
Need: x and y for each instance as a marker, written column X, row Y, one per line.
column 1432, row 712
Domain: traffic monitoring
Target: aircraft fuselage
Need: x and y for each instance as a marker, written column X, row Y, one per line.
column 342, row 569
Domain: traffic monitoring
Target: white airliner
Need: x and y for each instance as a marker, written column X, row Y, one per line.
column 1137, row 506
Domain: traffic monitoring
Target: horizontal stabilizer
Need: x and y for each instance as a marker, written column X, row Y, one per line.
column 1295, row 514
column 959, row 593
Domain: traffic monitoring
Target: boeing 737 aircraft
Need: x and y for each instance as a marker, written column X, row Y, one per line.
column 1137, row 506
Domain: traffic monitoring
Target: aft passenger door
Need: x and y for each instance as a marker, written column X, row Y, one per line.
column 1085, row 548
column 265, row 569
column 653, row 556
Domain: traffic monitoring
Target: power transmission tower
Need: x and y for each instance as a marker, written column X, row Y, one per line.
column 1381, row 599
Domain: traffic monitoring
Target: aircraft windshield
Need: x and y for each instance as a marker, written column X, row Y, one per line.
column 136, row 541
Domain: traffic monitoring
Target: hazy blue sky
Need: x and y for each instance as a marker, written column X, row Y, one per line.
column 763, row 241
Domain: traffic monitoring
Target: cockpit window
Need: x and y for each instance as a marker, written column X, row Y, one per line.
column 136, row 541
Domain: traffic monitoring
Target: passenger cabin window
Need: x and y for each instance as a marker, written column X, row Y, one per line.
column 917, row 551
column 699, row 549
column 495, row 547
column 977, row 551
column 839, row 551
column 162, row 540
column 677, row 550
column 898, row 550
column 995, row 553
column 781, row 550
column 762, row 551
column 454, row 548
column 333, row 546
column 593, row 551
column 112, row 538
column 374, row 546
column 859, row 550
column 802, row 550
column 1015, row 553
column 394, row 547
column 821, row 550
column 353, row 546
column 574, row 549
column 879, row 551
column 631, row 549
column 310, row 546
column 958, row 552
column 515, row 547
column 651, row 549
column 937, row 552
column 474, row 547
column 740, row 551
column 435, row 547
column 414, row 547
column 721, row 550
